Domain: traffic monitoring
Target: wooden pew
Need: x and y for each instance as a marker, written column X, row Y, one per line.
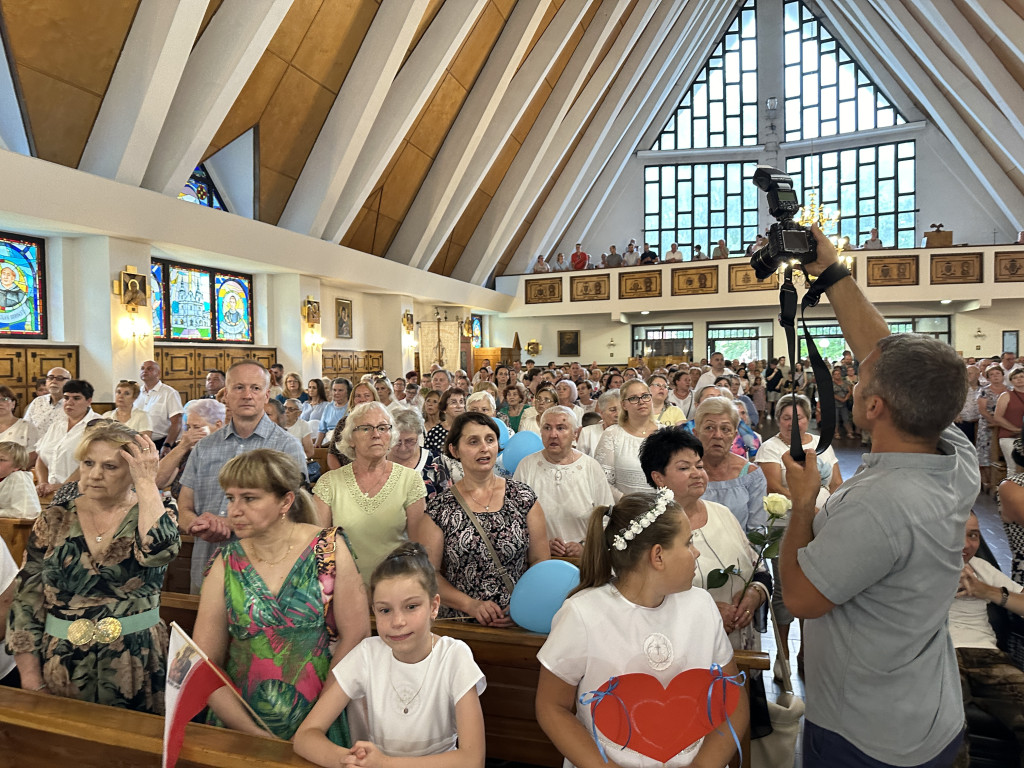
column 178, row 578
column 15, row 531
column 40, row 731
column 508, row 659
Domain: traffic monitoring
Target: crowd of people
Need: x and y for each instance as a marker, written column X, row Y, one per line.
column 652, row 480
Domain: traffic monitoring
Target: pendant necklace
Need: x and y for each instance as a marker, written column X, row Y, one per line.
column 407, row 701
column 490, row 492
column 117, row 519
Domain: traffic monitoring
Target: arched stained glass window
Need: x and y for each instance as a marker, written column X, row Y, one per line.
column 720, row 108
column 201, row 190
column 22, row 287
column 826, row 91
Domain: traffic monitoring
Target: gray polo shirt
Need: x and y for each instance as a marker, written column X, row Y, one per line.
column 881, row 670
column 204, row 464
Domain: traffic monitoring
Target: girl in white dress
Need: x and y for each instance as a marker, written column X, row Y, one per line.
column 646, row 620
column 422, row 690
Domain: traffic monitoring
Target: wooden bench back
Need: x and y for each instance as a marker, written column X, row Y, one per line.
column 508, row 659
column 39, row 731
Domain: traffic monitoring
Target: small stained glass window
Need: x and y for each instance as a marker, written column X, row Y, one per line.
column 201, row 190
column 156, row 291
column 234, row 307
column 189, row 304
column 22, row 287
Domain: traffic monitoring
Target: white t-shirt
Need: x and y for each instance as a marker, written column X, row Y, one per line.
column 23, row 433
column 299, row 429
column 772, row 451
column 18, row 497
column 41, row 413
column 370, row 670
column 567, row 493
column 968, row 616
column 598, row 634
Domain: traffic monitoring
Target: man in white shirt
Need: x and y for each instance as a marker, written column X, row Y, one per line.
column 46, row 409
column 162, row 403
column 987, row 675
column 1008, row 362
column 718, row 368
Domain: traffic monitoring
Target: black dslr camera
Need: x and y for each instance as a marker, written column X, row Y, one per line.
column 787, row 240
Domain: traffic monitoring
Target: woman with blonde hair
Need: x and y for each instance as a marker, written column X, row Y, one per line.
column 85, row 623
column 363, row 392
column 292, row 388
column 378, row 501
column 18, row 497
column 125, row 394
column 13, row 429
column 281, row 603
column 618, row 450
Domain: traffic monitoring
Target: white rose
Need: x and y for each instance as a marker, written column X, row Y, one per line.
column 777, row 506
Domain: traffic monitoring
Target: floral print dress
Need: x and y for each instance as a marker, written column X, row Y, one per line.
column 281, row 646
column 465, row 561
column 61, row 576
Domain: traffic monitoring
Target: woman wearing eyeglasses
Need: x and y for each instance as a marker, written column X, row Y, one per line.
column 15, row 430
column 618, row 451
column 408, row 452
column 378, row 502
column 125, row 411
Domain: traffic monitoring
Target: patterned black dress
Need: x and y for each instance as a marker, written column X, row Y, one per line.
column 465, row 561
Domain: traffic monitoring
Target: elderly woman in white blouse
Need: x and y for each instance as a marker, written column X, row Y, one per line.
column 568, row 483
column 296, row 427
column 13, row 429
column 567, row 397
column 618, row 451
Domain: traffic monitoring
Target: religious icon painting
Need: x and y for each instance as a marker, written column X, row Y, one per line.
column 22, row 287
column 156, row 293
column 234, row 307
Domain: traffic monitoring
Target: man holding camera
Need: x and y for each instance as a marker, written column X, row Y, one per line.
column 875, row 570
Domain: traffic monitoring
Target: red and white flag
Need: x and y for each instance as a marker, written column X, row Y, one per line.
column 191, row 678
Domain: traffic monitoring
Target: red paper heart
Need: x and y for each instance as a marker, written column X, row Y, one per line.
column 664, row 721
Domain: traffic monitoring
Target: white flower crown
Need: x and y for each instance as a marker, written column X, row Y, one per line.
column 638, row 524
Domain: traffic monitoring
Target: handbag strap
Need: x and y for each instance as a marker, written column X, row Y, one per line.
column 780, row 646
column 325, row 549
column 502, row 571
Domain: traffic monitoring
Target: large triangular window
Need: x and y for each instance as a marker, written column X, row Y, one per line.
column 720, row 108
column 826, row 91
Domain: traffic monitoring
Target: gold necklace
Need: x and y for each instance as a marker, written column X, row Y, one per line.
column 280, row 559
column 490, row 492
column 117, row 519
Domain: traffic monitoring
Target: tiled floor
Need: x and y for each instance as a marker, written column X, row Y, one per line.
column 849, row 453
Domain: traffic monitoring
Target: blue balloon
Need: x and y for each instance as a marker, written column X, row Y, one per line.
column 541, row 592
column 502, row 432
column 519, row 446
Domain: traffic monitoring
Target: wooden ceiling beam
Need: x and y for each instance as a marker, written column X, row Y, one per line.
column 454, row 157
column 503, row 216
column 701, row 33
column 657, row 52
column 1003, row 22
column 14, row 135
column 139, row 97
column 347, row 129
column 891, row 46
column 405, row 100
column 976, row 57
column 218, row 67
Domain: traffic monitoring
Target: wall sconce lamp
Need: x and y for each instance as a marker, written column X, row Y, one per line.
column 314, row 340
column 771, row 110
column 407, row 322
column 133, row 327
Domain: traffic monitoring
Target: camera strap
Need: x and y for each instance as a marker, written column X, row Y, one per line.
column 822, row 377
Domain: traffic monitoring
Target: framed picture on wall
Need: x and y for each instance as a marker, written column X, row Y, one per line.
column 1011, row 340
column 568, row 343
column 343, row 318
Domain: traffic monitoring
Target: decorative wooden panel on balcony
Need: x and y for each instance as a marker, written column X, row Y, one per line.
column 1009, row 267
column 690, row 281
column 545, row 291
column 590, row 288
column 640, row 285
column 742, row 278
column 892, row 270
column 949, row 269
